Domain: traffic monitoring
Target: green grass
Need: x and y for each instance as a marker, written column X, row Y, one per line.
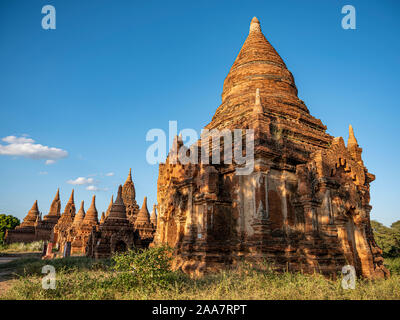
column 393, row 264
column 21, row 247
column 83, row 278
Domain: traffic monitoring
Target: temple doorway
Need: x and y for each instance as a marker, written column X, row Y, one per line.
column 120, row 246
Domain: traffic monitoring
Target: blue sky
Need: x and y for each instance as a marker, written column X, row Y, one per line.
column 112, row 70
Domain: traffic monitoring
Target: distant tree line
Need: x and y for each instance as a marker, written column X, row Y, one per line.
column 7, row 222
column 387, row 238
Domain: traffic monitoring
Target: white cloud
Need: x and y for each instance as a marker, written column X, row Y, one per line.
column 26, row 147
column 50, row 162
column 16, row 140
column 110, row 174
column 81, row 181
column 43, row 172
column 94, row 188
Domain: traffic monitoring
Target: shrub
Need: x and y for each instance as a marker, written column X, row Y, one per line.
column 7, row 222
column 393, row 264
column 146, row 266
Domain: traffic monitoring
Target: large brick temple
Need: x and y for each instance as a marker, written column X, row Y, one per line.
column 305, row 207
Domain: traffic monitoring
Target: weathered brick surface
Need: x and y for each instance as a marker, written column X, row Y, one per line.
column 304, row 208
column 34, row 228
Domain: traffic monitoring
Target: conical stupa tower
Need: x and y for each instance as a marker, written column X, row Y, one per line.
column 128, row 197
column 153, row 217
column 259, row 76
column 143, row 216
column 115, row 234
column 109, row 206
column 31, row 217
column 118, row 210
column 69, row 210
column 55, row 208
column 353, row 147
column 79, row 216
column 103, row 217
column 65, row 222
column 91, row 217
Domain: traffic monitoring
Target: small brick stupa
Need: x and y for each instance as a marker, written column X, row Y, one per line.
column 143, row 225
column 44, row 229
column 60, row 231
column 26, row 231
column 115, row 234
column 129, row 198
column 153, row 217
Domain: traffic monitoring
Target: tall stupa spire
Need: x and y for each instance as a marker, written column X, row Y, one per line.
column 55, row 207
column 70, row 206
column 117, row 212
column 32, row 215
column 129, row 179
column 153, row 217
column 110, row 205
column 128, row 194
column 57, row 197
column 352, row 141
column 71, row 198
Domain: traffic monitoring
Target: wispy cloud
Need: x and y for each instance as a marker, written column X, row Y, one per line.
column 94, row 188
column 50, row 162
column 27, row 148
column 81, row 181
column 43, row 172
column 110, row 174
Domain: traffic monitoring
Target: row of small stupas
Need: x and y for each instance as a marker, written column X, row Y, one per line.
column 122, row 226
column 305, row 207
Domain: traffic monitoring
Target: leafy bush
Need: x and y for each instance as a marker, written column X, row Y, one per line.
column 393, row 264
column 7, row 222
column 146, row 266
column 388, row 239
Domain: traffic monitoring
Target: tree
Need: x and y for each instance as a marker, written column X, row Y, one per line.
column 388, row 239
column 7, row 222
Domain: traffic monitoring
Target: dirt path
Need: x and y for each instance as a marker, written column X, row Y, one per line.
column 6, row 278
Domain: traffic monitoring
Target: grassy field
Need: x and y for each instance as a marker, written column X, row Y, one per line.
column 20, row 247
column 83, row 278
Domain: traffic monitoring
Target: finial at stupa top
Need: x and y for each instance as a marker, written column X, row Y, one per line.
column 129, row 175
column 110, row 205
column 71, row 198
column 119, row 196
column 57, row 197
column 255, row 25
column 352, row 139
